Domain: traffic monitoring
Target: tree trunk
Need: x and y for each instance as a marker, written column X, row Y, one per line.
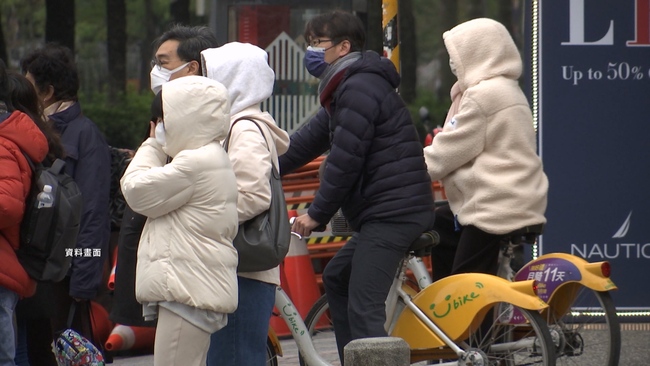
column 116, row 40
column 375, row 34
column 60, row 22
column 146, row 53
column 448, row 18
column 408, row 55
column 3, row 44
column 180, row 11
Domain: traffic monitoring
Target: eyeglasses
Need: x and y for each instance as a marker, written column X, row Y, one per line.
column 155, row 62
column 318, row 41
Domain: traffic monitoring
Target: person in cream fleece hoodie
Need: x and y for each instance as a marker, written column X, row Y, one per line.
column 186, row 269
column 243, row 68
column 486, row 153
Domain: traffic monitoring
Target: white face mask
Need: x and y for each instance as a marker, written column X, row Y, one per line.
column 159, row 133
column 452, row 67
column 161, row 75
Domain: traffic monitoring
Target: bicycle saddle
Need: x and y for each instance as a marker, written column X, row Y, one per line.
column 422, row 246
column 527, row 234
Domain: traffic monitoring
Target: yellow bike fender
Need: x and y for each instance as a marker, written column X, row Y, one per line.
column 275, row 342
column 458, row 304
column 561, row 275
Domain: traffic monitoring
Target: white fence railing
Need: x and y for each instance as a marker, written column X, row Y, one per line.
column 295, row 97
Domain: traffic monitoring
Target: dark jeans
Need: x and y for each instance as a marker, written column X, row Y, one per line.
column 358, row 278
column 462, row 249
column 243, row 340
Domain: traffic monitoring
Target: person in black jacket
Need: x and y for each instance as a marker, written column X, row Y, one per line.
column 375, row 172
column 53, row 72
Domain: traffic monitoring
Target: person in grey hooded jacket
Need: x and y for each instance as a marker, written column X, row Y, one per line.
column 486, row 153
column 243, row 68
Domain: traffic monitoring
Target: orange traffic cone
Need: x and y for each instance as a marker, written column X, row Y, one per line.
column 99, row 322
column 125, row 337
column 111, row 278
column 300, row 278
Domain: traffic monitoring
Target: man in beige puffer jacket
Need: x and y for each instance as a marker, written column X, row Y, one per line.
column 186, row 269
column 486, row 153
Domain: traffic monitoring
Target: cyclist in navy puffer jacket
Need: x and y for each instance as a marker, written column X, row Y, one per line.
column 375, row 172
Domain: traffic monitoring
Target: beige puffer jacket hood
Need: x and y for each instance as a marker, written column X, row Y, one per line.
column 486, row 153
column 185, row 253
column 243, row 68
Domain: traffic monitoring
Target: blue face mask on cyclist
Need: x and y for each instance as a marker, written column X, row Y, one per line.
column 315, row 61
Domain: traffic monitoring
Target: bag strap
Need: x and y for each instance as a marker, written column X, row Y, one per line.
column 29, row 161
column 248, row 118
column 73, row 309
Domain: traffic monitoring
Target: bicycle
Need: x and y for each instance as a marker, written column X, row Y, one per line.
column 516, row 331
column 575, row 331
column 581, row 315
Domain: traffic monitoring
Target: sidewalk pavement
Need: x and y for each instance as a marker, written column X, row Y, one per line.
column 635, row 349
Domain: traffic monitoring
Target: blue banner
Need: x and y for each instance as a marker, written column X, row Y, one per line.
column 591, row 96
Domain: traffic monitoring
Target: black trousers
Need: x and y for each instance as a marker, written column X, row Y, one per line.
column 43, row 325
column 358, row 278
column 126, row 310
column 462, row 249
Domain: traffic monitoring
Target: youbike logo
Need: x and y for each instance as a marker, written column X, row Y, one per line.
column 619, row 249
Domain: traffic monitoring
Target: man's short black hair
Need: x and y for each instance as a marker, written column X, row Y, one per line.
column 338, row 26
column 191, row 41
column 54, row 65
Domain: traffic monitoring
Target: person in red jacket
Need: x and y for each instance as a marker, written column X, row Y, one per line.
column 18, row 135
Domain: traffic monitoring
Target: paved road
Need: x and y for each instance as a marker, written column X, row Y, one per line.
column 635, row 350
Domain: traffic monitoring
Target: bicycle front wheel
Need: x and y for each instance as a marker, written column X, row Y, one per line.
column 271, row 355
column 320, row 327
column 589, row 333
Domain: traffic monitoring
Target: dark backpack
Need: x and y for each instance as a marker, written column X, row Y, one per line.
column 48, row 235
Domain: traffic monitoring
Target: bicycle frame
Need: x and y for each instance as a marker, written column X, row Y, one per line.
column 415, row 326
column 299, row 330
column 465, row 299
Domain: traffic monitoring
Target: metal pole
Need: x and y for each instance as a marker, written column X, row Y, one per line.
column 391, row 33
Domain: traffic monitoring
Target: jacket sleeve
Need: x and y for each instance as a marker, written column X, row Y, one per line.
column 92, row 175
column 356, row 112
column 153, row 188
column 306, row 144
column 461, row 140
column 12, row 200
column 251, row 161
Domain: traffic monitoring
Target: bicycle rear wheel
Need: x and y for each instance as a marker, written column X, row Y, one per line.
column 589, row 333
column 506, row 343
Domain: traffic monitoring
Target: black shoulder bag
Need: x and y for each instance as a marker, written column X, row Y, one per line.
column 263, row 241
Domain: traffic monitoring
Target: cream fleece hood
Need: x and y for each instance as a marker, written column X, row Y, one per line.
column 206, row 101
column 482, row 49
